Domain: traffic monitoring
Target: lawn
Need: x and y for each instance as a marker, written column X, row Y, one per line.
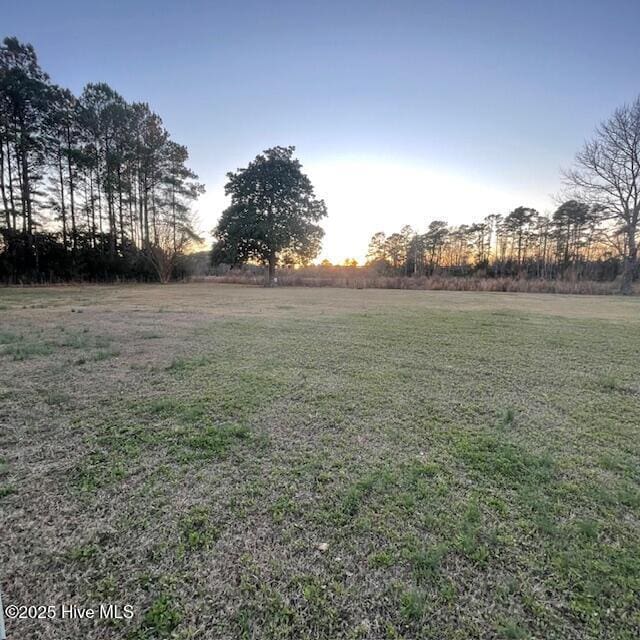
column 238, row 462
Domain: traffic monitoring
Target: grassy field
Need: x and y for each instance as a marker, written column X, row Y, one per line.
column 237, row 462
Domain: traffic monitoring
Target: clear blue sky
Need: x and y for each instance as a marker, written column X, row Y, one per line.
column 392, row 105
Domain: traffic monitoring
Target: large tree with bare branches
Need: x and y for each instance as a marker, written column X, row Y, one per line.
column 607, row 175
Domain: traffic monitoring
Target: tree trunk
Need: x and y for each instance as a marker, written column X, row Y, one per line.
column 120, row 208
column 132, row 203
column 63, row 210
column 5, row 202
column 93, row 210
column 20, row 186
column 630, row 265
column 74, row 240
column 11, row 199
column 271, row 271
column 26, row 182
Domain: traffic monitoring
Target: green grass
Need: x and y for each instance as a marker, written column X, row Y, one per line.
column 38, row 345
column 197, row 531
column 348, row 465
column 6, row 490
column 159, row 621
column 26, row 350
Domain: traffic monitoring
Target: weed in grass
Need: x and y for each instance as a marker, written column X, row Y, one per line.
column 627, row 494
column 7, row 490
column 616, row 462
column 160, row 620
column 473, row 539
column 98, row 470
column 425, row 563
column 104, row 354
column 609, row 383
column 106, row 588
column 447, row 590
column 539, row 512
column 419, row 470
column 495, row 457
column 319, row 594
column 187, row 364
column 506, row 418
column 587, row 529
column 6, row 337
column 283, row 507
column 361, row 489
column 83, row 553
column 56, row 398
column 83, row 340
column 188, row 411
column 511, row 630
column 413, row 605
column 149, row 335
column 27, row 350
column 213, row 441
column 117, row 446
column 162, row 406
column 381, row 559
column 196, row 530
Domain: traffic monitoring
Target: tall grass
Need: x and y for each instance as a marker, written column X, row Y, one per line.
column 364, row 280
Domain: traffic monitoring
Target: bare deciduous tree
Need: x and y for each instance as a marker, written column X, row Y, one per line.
column 607, row 174
column 170, row 243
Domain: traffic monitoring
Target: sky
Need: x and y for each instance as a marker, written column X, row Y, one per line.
column 401, row 112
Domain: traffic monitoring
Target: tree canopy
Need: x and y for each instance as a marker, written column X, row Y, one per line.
column 91, row 186
column 273, row 214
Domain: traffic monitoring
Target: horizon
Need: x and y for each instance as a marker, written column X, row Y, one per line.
column 391, row 110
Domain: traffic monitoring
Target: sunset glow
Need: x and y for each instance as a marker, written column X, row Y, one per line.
column 366, row 194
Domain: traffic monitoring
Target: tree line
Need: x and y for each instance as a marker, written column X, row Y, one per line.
column 575, row 242
column 104, row 171
column 592, row 236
